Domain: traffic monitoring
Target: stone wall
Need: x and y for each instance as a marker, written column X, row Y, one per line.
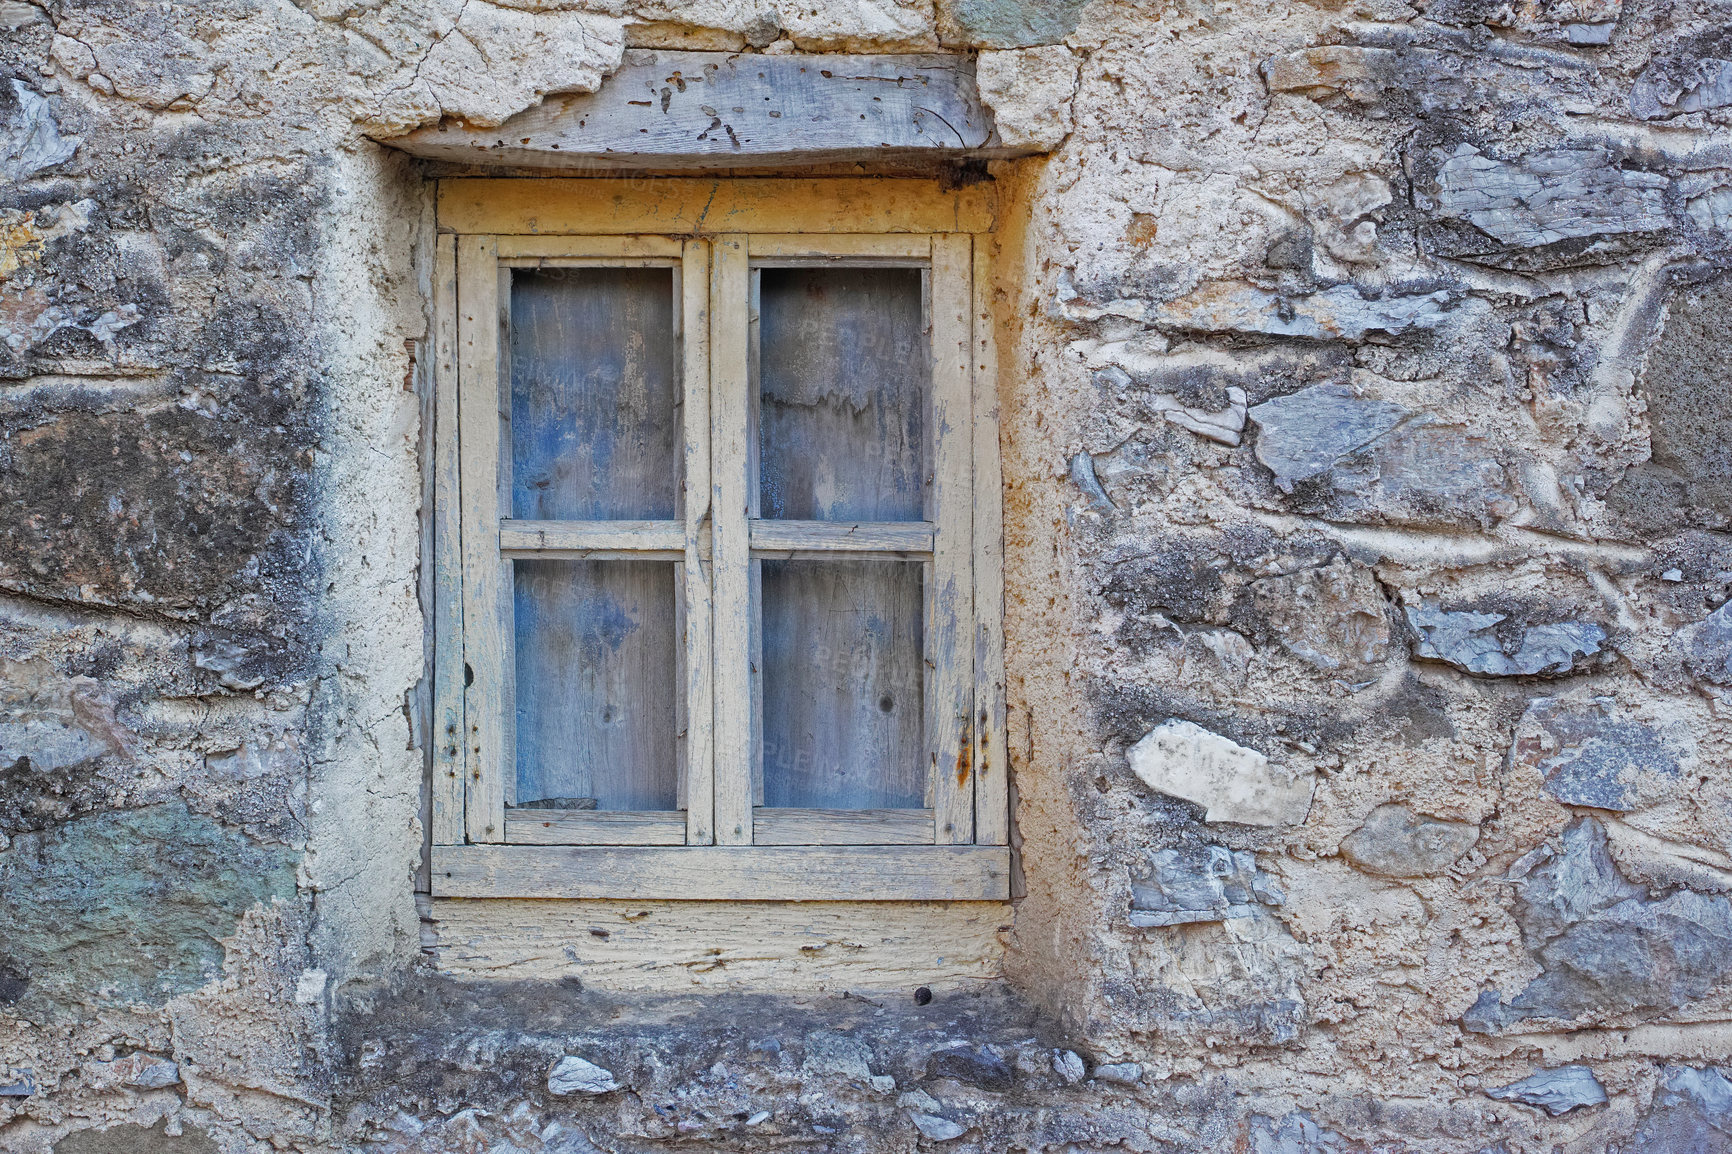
column 1365, row 371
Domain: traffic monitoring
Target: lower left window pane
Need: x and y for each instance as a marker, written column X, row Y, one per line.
column 597, row 685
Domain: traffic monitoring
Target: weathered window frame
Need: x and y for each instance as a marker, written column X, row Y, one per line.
column 711, row 232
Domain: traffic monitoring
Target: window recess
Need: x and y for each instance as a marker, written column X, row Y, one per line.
column 717, row 548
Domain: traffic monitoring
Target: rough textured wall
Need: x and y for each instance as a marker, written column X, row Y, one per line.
column 1366, row 379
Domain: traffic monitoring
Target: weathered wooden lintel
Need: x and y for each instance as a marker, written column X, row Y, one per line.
column 675, row 110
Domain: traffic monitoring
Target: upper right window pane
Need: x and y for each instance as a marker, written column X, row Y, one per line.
column 843, row 375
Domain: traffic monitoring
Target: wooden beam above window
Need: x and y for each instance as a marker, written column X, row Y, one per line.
column 733, row 110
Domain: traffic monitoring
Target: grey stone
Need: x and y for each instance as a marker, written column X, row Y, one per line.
column 1332, row 617
column 1339, row 313
column 1008, row 23
column 1082, row 475
column 140, row 1070
column 935, row 1128
column 1693, row 77
column 1705, row 1087
column 1464, row 639
column 1603, row 945
column 1589, row 756
column 31, row 139
column 1691, row 1114
column 1303, row 435
column 131, row 905
column 575, row 1075
column 832, row 1055
column 1397, row 842
column 972, row 1064
column 1295, row 1133
column 1068, row 1066
column 1547, row 197
column 1707, row 646
column 1119, row 1073
column 1206, row 883
column 134, row 1139
column 1556, row 1091
column 1422, row 472
column 17, row 1082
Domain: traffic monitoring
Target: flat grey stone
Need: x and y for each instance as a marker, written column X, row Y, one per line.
column 1082, row 475
column 1464, row 639
column 1590, row 756
column 1119, row 1073
column 1556, row 1091
column 1547, row 197
column 17, row 1082
column 1207, row 883
column 1303, row 435
column 1068, row 1065
column 30, row 140
column 574, row 1075
column 1339, row 313
column 936, row 1128
column 1397, row 842
column 838, row 1056
column 1707, row 646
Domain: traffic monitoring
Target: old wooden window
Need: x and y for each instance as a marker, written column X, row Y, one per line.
column 717, row 542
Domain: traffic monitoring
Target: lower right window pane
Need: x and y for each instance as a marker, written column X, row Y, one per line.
column 843, row 680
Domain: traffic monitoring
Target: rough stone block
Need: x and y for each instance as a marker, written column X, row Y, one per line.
column 1556, row 1091
column 1029, row 92
column 1339, row 313
column 1205, row 883
column 1332, row 617
column 30, row 140
column 1547, row 197
column 1304, row 434
column 1469, row 641
column 831, row 1055
column 1397, row 842
column 974, row 1065
column 575, row 1075
column 1694, row 76
column 1590, row 756
column 1232, row 783
column 1007, row 23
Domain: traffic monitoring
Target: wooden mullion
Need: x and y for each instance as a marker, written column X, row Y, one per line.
column 725, row 873
column 731, row 497
column 485, row 599
column 991, row 753
column 950, row 595
column 698, row 549
column 554, row 248
column 599, row 827
column 836, row 539
column 449, row 735
column 594, row 540
column 842, row 827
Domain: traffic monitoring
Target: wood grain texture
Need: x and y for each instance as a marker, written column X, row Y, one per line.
column 950, row 595
column 448, row 731
column 649, row 540
column 842, row 827
column 762, row 947
column 596, row 683
column 912, row 539
column 841, row 390
column 709, row 109
column 991, row 753
column 825, row 249
column 519, row 249
column 595, row 394
column 529, row 826
column 731, row 495
column 725, row 873
column 695, row 206
column 485, row 601
column 697, row 572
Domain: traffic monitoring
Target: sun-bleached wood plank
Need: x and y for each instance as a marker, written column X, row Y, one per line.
column 485, row 575
column 991, row 753
column 911, row 539
column 950, row 593
column 683, row 947
column 840, row 246
column 731, row 480
column 530, row 826
column 725, row 873
column 842, row 827
column 516, row 248
column 708, row 207
column 448, row 730
column 672, row 109
column 647, row 540
column 697, row 573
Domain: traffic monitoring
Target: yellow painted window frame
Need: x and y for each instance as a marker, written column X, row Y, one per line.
column 712, row 231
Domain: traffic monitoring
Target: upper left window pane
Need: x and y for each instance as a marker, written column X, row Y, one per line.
column 595, row 394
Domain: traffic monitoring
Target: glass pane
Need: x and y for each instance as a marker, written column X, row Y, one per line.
column 596, row 684
column 843, row 709
column 842, row 376
column 595, row 391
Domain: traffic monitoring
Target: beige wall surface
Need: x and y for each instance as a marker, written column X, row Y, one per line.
column 1365, row 397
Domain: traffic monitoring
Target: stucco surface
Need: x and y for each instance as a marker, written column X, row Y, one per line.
column 1365, row 372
